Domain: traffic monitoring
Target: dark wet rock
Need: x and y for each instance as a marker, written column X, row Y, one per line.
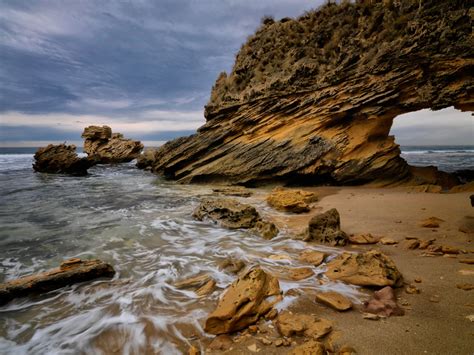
column 372, row 268
column 299, row 324
column 61, row 159
column 325, row 228
column 145, row 159
column 105, row 147
column 69, row 272
column 247, row 299
column 383, row 303
column 289, row 200
column 231, row 214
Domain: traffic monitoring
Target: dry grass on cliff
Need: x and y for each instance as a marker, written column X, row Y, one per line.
column 321, row 45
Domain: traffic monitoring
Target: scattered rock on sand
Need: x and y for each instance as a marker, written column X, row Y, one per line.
column 372, row 268
column 467, row 261
column 363, row 239
column 61, row 159
column 244, row 302
column 288, row 200
column 326, row 228
column 411, row 243
column 334, row 300
column 229, row 213
column 289, row 324
column 465, row 287
column 387, row 241
column 107, row 148
column 383, row 303
column 69, row 272
column 313, row 257
column 432, row 222
column 233, row 191
column 310, row 347
column 221, row 342
column 412, row 289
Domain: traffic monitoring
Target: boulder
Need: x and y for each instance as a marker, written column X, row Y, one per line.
column 326, row 228
column 287, row 200
column 247, row 299
column 61, row 159
column 69, row 272
column 383, row 303
column 290, row 324
column 371, row 268
column 231, row 214
column 145, row 159
column 105, row 147
column 334, row 300
column 313, row 257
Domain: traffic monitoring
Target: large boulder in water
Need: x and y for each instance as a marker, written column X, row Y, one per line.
column 61, row 159
column 106, row 147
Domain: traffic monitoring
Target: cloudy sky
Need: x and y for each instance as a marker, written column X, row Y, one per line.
column 143, row 67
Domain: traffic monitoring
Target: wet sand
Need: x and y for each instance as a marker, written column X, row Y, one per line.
column 435, row 320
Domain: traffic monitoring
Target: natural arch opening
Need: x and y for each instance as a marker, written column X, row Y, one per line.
column 443, row 139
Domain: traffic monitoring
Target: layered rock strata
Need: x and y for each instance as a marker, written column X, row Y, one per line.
column 107, row 147
column 61, row 159
column 312, row 100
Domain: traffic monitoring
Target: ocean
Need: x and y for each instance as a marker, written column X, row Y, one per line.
column 142, row 225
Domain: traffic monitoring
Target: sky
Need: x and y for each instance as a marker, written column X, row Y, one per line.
column 144, row 67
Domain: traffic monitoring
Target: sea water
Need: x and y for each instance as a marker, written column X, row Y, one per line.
column 143, row 226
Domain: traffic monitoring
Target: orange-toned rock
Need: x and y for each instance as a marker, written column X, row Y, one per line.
column 289, row 324
column 313, row 257
column 334, row 300
column 300, row 273
column 432, row 222
column 69, row 272
column 287, row 200
column 326, row 228
column 363, row 239
column 244, row 302
column 310, row 347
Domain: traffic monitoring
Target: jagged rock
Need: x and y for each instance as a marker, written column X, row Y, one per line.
column 372, row 268
column 383, row 303
column 326, row 228
column 312, row 257
column 203, row 284
column 313, row 99
column 334, row 300
column 310, row 347
column 206, row 289
column 69, row 272
column 105, row 147
column 61, row 159
column 146, row 159
column 363, row 239
column 289, row 324
column 295, row 201
column 247, row 299
column 232, row 214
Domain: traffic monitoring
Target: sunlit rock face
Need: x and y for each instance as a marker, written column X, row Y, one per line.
column 313, row 99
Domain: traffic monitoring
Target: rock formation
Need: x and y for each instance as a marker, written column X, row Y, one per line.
column 287, row 200
column 312, row 100
column 69, row 272
column 383, row 303
column 250, row 297
column 61, row 159
column 105, row 147
column 326, row 228
column 289, row 324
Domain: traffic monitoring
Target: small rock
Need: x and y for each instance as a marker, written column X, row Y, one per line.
column 265, row 341
column 278, row 342
column 446, row 249
column 312, row 257
column 470, row 317
column 434, row 299
column 465, row 286
column 466, row 272
column 253, row 348
column 301, row 273
column 287, row 200
column 326, row 228
column 206, row 289
column 412, row 289
column 417, row 280
column 411, row 244
column 232, row 265
column 267, row 230
column 194, row 351
column 253, row 329
column 289, row 324
column 347, row 350
column 334, row 300
column 279, row 257
column 383, row 303
column 194, row 281
column 272, row 314
column 432, row 222
column 310, row 347
column 387, row 241
column 221, row 342
column 363, row 239
column 424, row 244
column 371, row 316
column 233, row 191
column 467, row 261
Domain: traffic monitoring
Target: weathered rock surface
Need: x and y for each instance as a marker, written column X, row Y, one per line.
column 295, row 201
column 326, row 228
column 312, row 99
column 105, row 147
column 69, row 272
column 383, row 303
column 233, row 191
column 372, row 268
column 432, row 222
column 61, row 159
column 289, row 324
column 229, row 213
column 310, row 347
column 202, row 284
column 334, row 300
column 313, row 257
column 247, row 299
column 363, row 239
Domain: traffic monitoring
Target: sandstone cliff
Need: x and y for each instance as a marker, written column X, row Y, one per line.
column 312, row 99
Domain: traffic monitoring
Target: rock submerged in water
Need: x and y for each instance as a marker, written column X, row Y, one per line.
column 247, row 299
column 61, row 159
column 105, row 147
column 288, row 200
column 326, row 228
column 372, row 268
column 231, row 214
column 69, row 272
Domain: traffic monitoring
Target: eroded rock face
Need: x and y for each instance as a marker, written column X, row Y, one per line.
column 229, row 213
column 247, row 299
column 372, row 268
column 289, row 324
column 287, row 200
column 69, row 272
column 313, row 99
column 105, row 147
column 326, row 228
column 61, row 159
